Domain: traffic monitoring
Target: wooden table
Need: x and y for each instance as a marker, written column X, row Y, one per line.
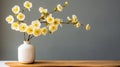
column 68, row 63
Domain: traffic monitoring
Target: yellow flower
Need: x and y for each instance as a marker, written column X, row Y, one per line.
column 57, row 21
column 36, row 24
column 10, row 19
column 29, row 30
column 59, row 7
column 69, row 19
column 16, row 9
column 28, row 5
column 44, row 30
column 87, row 27
column 37, row 32
column 66, row 3
column 42, row 10
column 23, row 27
column 77, row 25
column 53, row 28
column 15, row 26
column 50, row 19
column 74, row 18
column 20, row 16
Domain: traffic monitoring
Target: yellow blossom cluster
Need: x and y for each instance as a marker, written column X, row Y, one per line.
column 35, row 28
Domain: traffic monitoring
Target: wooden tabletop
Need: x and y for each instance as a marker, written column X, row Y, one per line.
column 68, row 63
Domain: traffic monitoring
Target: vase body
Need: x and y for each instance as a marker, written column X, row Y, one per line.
column 26, row 53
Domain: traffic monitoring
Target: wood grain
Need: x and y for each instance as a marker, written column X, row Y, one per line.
column 68, row 63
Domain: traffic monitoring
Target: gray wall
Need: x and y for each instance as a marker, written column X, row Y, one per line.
column 102, row 42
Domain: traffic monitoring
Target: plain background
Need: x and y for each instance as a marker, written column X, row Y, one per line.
column 68, row 43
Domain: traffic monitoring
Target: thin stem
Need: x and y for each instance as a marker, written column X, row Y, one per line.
column 43, row 22
column 24, row 37
column 60, row 22
column 23, row 10
column 28, row 37
column 31, row 37
column 52, row 12
column 66, row 23
column 82, row 25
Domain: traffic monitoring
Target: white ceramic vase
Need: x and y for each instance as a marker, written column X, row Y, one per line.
column 26, row 53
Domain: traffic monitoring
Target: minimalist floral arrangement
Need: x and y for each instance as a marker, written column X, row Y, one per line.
column 34, row 29
column 26, row 51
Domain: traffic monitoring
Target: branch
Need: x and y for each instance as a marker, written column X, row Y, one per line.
column 31, row 37
column 24, row 37
column 28, row 37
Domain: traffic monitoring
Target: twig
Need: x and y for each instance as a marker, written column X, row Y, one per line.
column 28, row 37
column 31, row 37
column 60, row 22
column 24, row 37
column 52, row 12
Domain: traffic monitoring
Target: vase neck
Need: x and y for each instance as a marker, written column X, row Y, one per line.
column 26, row 42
